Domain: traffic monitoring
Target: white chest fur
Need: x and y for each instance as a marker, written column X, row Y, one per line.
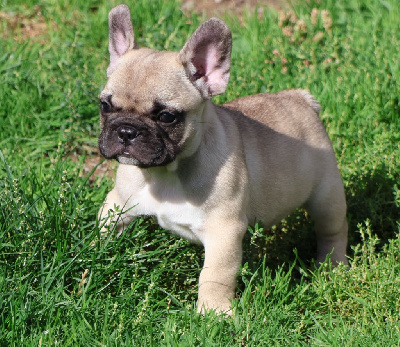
column 166, row 200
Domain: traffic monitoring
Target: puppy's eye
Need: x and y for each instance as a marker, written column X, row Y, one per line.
column 166, row 117
column 105, row 106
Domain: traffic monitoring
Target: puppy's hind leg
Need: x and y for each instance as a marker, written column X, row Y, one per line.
column 327, row 207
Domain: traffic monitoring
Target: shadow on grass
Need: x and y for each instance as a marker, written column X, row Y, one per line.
column 370, row 196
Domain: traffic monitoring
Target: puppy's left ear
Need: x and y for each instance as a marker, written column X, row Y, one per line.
column 206, row 57
column 121, row 35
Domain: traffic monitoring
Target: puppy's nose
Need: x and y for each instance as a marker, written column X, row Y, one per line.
column 126, row 134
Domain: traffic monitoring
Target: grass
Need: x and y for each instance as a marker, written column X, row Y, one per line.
column 61, row 285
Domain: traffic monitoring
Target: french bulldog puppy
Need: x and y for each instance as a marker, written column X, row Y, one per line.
column 205, row 171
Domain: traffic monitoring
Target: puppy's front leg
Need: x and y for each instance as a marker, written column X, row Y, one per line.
column 112, row 202
column 223, row 256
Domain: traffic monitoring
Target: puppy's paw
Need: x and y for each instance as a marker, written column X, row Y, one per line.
column 222, row 311
column 216, row 297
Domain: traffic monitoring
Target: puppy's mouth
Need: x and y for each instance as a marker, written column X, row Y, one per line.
column 136, row 144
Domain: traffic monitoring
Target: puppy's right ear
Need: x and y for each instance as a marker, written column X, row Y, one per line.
column 121, row 35
column 206, row 57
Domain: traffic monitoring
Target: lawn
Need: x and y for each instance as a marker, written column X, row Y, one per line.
column 61, row 284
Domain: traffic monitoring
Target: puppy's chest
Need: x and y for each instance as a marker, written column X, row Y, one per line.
column 172, row 210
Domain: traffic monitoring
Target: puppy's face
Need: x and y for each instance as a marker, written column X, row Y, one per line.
column 148, row 109
column 151, row 106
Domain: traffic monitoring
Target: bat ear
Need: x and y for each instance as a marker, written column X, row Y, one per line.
column 121, row 35
column 206, row 57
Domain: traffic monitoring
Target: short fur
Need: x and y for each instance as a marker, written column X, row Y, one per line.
column 206, row 171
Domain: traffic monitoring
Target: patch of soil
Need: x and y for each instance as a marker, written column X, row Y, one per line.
column 23, row 26
column 220, row 7
column 94, row 161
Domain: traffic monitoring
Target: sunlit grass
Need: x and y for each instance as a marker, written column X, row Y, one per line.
column 62, row 284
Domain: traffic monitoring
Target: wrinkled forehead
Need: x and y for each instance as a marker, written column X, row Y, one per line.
column 144, row 76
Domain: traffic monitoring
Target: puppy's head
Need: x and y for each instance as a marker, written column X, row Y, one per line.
column 152, row 104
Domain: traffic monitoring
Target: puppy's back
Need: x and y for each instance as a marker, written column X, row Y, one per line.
column 291, row 112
